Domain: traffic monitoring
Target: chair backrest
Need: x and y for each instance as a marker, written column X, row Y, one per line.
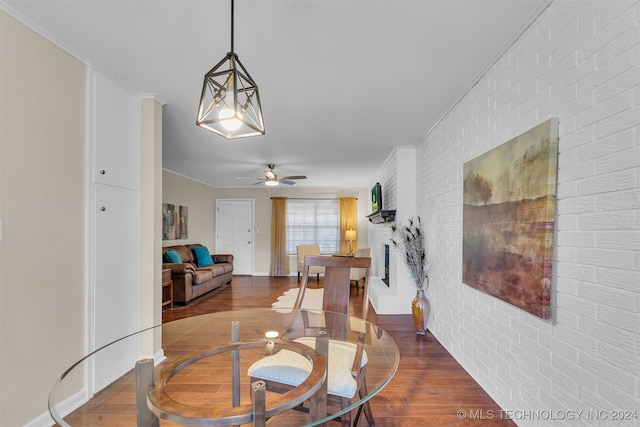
column 303, row 250
column 336, row 281
column 359, row 273
column 363, row 253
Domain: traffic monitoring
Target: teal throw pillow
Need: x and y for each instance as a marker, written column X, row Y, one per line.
column 203, row 257
column 172, row 257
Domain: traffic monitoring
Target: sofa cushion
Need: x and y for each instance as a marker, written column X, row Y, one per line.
column 202, row 276
column 172, row 257
column 227, row 267
column 186, row 254
column 203, row 257
column 215, row 269
column 222, row 258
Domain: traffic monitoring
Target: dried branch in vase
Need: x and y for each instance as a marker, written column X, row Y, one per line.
column 410, row 241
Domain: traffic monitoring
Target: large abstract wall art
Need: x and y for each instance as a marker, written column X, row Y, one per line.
column 509, row 218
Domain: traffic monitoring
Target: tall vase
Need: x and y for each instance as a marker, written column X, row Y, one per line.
column 420, row 308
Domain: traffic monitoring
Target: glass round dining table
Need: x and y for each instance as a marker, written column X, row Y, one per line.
column 193, row 371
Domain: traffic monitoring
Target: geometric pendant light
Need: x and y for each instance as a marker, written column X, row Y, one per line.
column 230, row 102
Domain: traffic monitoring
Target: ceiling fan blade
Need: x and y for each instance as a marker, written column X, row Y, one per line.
column 285, row 182
column 295, row 177
column 259, row 182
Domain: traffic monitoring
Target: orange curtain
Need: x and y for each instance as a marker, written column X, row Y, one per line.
column 279, row 258
column 348, row 221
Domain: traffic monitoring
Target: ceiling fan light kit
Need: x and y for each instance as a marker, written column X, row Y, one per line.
column 271, row 179
column 230, row 101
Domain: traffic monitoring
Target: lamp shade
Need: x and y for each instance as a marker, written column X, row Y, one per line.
column 350, row 235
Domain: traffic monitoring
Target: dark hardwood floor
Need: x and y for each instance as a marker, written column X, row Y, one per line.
column 429, row 389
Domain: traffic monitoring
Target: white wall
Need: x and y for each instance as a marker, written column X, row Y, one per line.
column 579, row 62
column 42, row 207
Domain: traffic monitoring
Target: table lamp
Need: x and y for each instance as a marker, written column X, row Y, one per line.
column 350, row 235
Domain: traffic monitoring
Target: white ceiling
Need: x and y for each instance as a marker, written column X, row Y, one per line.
column 342, row 82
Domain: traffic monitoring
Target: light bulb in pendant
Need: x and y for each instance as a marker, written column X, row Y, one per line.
column 230, row 123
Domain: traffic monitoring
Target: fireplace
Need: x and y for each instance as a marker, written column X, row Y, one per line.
column 385, row 279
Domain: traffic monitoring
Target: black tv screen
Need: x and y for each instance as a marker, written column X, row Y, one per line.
column 376, row 198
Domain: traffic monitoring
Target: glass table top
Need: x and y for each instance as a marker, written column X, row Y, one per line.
column 193, row 361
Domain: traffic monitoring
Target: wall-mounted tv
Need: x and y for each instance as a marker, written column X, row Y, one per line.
column 376, row 198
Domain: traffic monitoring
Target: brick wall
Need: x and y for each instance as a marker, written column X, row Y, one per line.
column 579, row 61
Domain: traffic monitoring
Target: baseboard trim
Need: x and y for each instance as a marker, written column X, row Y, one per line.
column 158, row 357
column 266, row 274
column 78, row 399
column 64, row 408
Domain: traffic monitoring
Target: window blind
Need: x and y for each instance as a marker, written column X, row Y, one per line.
column 313, row 222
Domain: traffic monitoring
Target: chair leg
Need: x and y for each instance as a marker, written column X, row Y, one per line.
column 356, row 420
column 367, row 407
column 298, row 276
column 368, row 414
column 318, row 402
column 345, row 419
column 318, row 277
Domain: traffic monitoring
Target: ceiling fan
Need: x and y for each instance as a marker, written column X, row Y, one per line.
column 270, row 178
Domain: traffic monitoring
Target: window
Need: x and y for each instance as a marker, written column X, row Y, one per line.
column 313, row 222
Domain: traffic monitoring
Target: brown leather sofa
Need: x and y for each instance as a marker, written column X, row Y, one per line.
column 190, row 281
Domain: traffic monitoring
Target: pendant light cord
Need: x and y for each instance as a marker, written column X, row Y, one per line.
column 231, row 26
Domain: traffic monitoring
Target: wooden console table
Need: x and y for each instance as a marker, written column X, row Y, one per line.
column 167, row 283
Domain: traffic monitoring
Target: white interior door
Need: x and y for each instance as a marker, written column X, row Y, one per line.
column 234, row 232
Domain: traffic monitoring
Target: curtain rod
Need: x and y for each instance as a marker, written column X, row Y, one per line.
column 317, row 198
